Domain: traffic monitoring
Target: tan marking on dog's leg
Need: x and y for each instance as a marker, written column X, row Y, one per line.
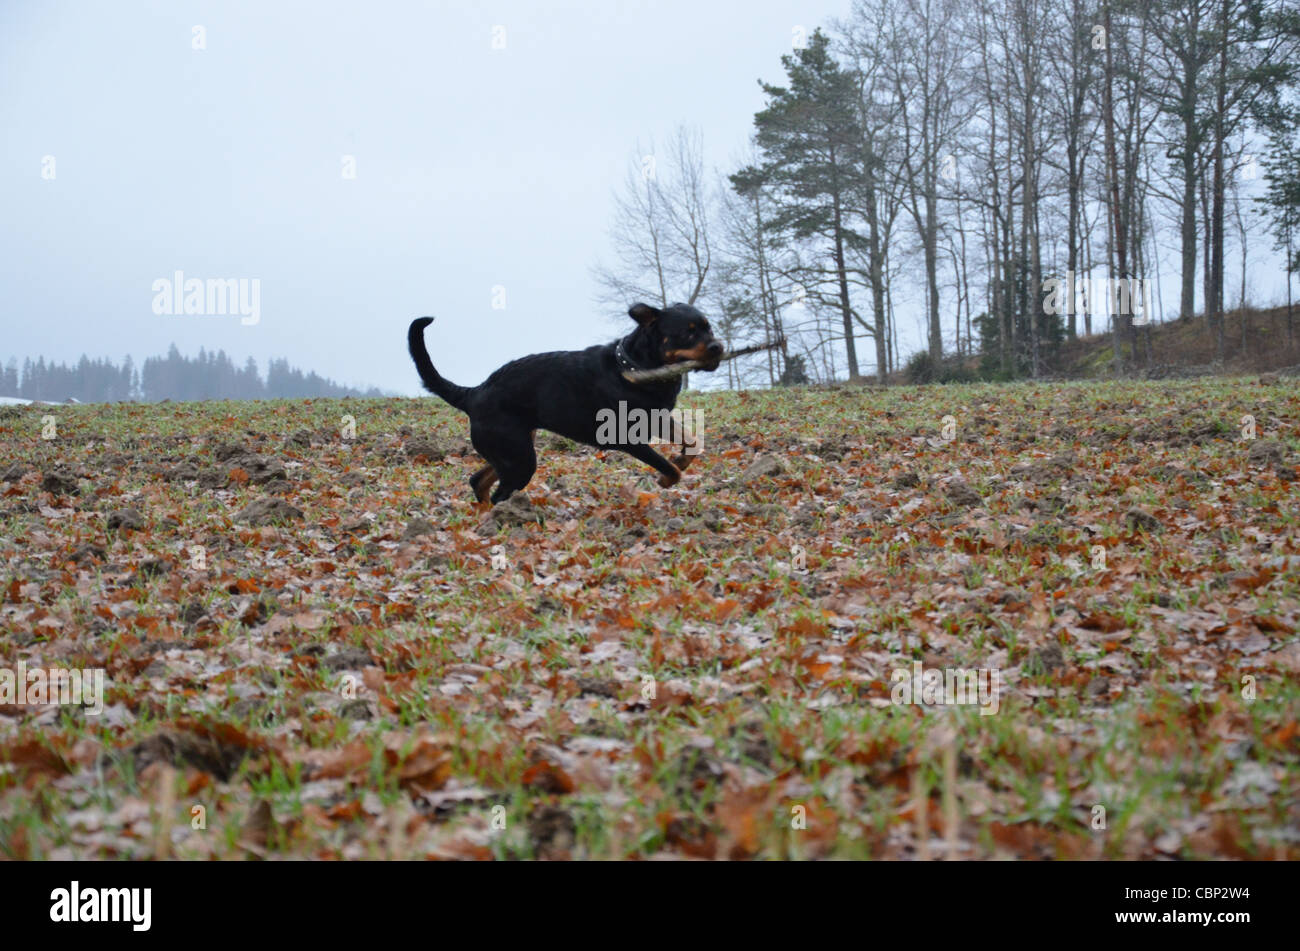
column 482, row 482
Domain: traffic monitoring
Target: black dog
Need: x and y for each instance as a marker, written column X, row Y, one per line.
column 565, row 391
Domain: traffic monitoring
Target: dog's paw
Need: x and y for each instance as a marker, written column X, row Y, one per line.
column 668, row 481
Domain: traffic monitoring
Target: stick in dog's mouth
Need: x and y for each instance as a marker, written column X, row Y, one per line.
column 668, row 371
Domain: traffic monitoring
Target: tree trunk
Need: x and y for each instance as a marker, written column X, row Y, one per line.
column 932, row 271
column 1187, row 301
column 965, row 280
column 842, row 275
column 1118, row 228
column 1087, row 287
column 1290, row 339
column 1216, row 254
column 877, row 279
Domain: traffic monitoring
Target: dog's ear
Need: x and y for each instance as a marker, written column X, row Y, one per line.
column 644, row 314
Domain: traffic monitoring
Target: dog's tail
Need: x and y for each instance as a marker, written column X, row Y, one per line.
column 454, row 394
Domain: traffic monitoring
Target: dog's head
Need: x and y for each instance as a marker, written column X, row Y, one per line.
column 677, row 333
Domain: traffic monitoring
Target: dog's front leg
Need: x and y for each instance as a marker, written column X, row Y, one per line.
column 669, row 474
column 690, row 444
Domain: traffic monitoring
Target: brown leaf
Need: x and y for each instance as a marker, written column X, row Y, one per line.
column 336, row 764
column 547, row 777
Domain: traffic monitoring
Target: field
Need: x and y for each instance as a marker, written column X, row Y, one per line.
column 315, row 646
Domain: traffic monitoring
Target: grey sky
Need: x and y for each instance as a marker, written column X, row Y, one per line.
column 475, row 167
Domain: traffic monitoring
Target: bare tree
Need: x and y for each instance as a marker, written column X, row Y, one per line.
column 749, row 274
column 660, row 232
column 923, row 43
column 1073, row 76
column 878, row 114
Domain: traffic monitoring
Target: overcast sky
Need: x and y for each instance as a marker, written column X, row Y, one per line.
column 131, row 155
column 474, row 167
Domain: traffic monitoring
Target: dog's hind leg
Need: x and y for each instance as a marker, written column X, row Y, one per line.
column 482, row 481
column 511, row 456
column 517, row 472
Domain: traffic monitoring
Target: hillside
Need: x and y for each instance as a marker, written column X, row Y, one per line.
column 1259, row 343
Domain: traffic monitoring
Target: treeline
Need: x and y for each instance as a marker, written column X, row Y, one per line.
column 968, row 160
column 209, row 376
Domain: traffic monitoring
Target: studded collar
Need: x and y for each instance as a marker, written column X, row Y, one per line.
column 625, row 362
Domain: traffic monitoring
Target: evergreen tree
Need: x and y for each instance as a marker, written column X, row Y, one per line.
column 1279, row 116
column 812, row 146
column 176, row 377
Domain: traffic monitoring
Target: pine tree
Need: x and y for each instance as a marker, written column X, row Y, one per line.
column 812, row 145
column 1278, row 115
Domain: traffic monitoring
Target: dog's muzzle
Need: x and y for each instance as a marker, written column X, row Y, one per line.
column 708, row 355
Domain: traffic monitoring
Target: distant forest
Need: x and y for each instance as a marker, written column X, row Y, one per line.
column 209, row 376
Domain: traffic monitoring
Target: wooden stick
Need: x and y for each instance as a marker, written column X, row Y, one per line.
column 950, row 817
column 920, row 814
column 162, row 831
column 685, row 366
